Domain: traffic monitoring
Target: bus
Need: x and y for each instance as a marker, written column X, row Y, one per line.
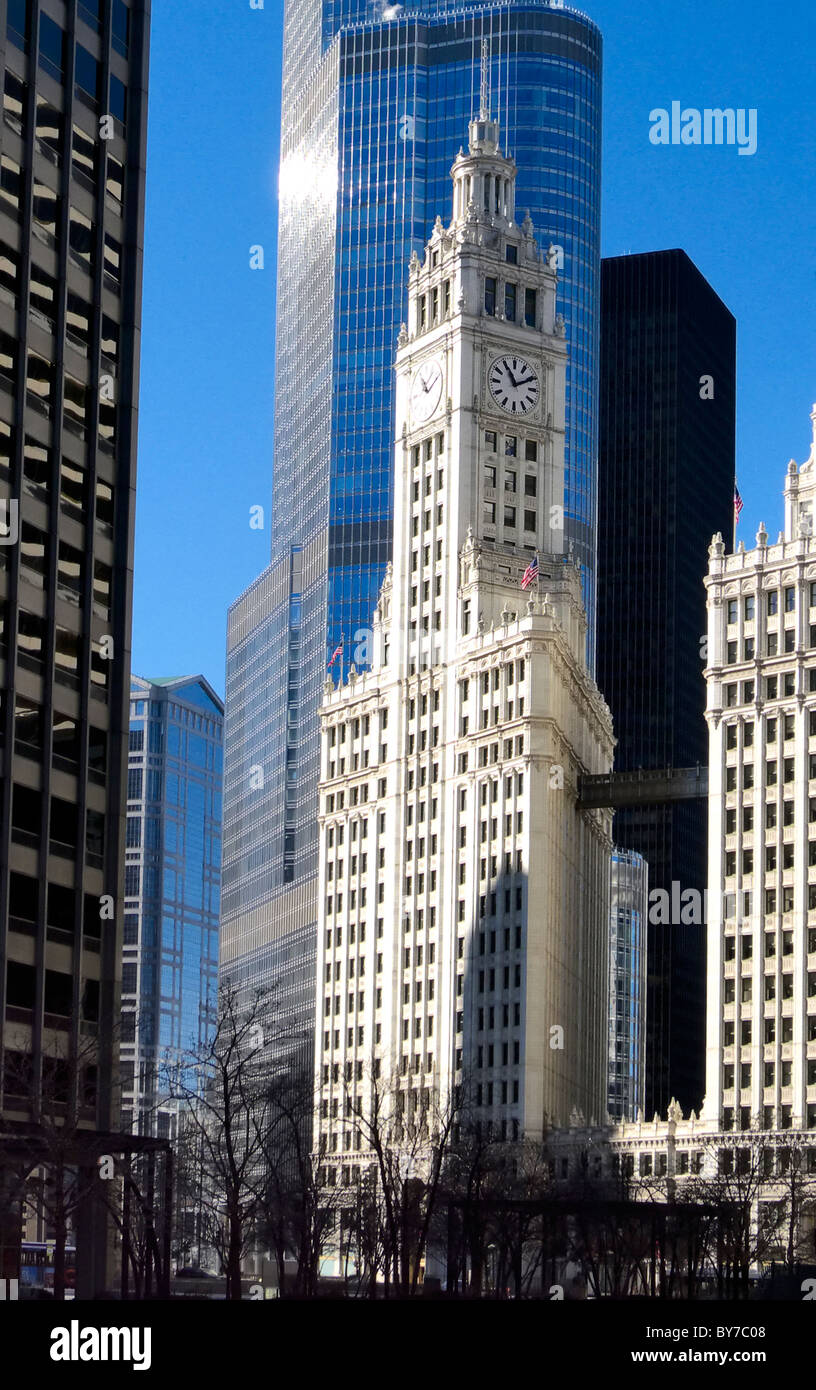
column 37, row 1267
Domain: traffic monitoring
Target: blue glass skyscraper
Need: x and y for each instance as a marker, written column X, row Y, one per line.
column 375, row 102
column 628, row 916
column 172, row 889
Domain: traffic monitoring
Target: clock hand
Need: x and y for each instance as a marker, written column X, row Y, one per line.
column 524, row 381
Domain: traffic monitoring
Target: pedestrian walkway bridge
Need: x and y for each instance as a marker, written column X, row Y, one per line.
column 644, row 787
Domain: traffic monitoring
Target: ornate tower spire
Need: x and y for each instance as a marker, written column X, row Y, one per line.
column 800, row 492
column 810, row 464
column 483, row 178
column 484, row 98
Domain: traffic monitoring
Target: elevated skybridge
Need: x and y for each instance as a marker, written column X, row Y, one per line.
column 644, row 787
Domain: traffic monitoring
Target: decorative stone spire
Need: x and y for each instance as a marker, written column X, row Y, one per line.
column 484, row 178
column 484, row 95
column 800, row 492
column 809, row 464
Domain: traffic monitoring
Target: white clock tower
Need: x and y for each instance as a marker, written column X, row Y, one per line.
column 462, row 943
column 480, row 376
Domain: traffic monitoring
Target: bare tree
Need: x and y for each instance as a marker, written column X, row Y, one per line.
column 735, row 1183
column 469, row 1186
column 496, row 1195
column 296, row 1203
column 793, row 1186
column 225, row 1089
column 407, row 1132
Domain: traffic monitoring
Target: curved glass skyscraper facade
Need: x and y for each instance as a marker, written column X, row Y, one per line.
column 376, row 103
column 172, row 886
column 628, row 917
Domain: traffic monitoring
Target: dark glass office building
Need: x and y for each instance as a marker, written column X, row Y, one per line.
column 665, row 485
column 375, row 100
column 172, row 890
column 72, row 146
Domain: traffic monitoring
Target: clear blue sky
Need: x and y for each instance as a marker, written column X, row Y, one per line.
column 205, row 452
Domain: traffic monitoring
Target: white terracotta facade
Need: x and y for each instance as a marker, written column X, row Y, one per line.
column 761, row 932
column 464, row 898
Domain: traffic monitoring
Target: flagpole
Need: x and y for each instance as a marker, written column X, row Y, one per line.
column 338, row 651
column 528, row 578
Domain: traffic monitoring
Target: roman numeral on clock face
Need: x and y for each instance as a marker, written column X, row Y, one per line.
column 513, row 384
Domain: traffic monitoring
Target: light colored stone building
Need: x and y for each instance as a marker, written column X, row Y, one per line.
column 464, row 897
column 761, row 712
column 761, row 976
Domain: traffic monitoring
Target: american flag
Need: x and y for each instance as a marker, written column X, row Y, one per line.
column 738, row 503
column 530, row 574
column 338, row 651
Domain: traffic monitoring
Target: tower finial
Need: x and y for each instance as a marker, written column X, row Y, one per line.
column 809, row 465
column 484, row 95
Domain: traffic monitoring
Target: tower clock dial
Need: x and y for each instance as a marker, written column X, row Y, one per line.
column 426, row 388
column 513, row 384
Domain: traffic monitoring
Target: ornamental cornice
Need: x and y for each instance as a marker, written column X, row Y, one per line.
column 338, row 711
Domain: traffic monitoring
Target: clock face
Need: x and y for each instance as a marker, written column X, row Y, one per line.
column 426, row 389
column 513, row 384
